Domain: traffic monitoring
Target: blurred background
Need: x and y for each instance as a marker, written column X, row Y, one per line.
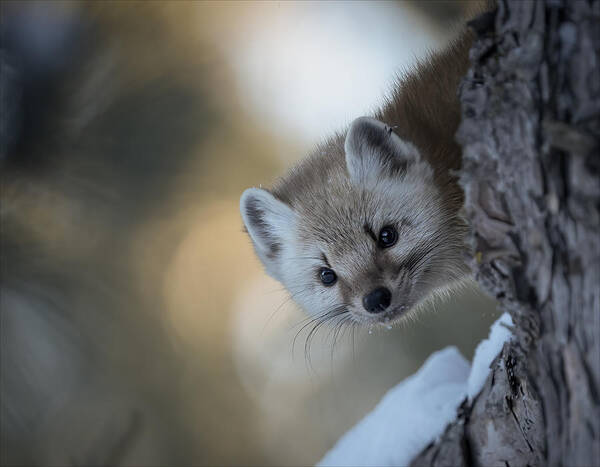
column 137, row 327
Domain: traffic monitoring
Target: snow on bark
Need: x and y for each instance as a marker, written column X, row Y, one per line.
column 486, row 352
column 408, row 417
column 418, row 409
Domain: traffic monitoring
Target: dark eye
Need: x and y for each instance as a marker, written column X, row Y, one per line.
column 327, row 276
column 388, row 237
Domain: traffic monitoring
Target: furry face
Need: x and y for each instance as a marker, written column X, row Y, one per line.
column 372, row 236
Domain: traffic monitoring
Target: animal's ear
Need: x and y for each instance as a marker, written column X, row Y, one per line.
column 269, row 223
column 374, row 151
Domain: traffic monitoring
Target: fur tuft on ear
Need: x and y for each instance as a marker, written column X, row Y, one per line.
column 269, row 223
column 374, row 151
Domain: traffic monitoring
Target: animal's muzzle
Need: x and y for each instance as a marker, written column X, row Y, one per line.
column 377, row 300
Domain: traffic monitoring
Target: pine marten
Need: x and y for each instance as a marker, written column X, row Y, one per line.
column 369, row 225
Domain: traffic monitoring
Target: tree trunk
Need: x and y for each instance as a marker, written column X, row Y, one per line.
column 530, row 136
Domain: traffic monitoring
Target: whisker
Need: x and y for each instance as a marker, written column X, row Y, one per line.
column 309, row 321
column 313, row 332
column 339, row 331
column 286, row 300
column 317, row 322
column 354, row 325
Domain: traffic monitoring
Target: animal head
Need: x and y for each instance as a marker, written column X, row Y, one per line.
column 373, row 236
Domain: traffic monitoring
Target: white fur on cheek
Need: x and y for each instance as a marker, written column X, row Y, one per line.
column 300, row 277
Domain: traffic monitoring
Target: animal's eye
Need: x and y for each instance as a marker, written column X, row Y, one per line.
column 388, row 237
column 327, row 276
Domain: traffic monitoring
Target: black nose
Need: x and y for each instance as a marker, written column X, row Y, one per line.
column 377, row 300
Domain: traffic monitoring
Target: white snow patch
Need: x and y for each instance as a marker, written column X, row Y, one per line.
column 418, row 409
column 485, row 353
column 409, row 416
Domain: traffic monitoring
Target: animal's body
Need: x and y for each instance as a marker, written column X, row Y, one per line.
column 369, row 225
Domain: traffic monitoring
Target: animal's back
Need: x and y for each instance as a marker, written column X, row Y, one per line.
column 424, row 107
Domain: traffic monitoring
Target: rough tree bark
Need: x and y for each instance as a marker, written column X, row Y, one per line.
column 530, row 135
